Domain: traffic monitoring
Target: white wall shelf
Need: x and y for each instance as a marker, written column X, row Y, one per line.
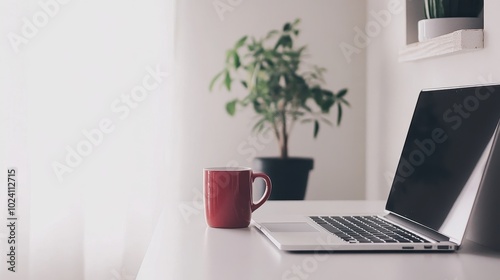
column 455, row 42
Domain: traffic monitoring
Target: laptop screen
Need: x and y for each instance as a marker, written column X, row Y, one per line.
column 444, row 157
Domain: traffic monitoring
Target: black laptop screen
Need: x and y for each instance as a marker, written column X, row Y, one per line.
column 444, row 154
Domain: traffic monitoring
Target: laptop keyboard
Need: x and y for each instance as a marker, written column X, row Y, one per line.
column 366, row 229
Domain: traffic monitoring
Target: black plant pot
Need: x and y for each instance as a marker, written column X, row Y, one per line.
column 289, row 176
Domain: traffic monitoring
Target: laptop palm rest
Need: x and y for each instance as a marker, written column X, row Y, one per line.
column 289, row 227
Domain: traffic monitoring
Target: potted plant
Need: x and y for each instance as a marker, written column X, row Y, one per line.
column 282, row 91
column 446, row 16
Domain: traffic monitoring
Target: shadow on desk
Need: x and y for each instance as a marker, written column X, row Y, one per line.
column 473, row 248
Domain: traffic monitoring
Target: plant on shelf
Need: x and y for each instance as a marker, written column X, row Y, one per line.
column 452, row 8
column 280, row 87
column 446, row 16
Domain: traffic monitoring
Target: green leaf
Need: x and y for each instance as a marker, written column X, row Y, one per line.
column 269, row 62
column 240, row 42
column 328, row 94
column 231, row 107
column 229, row 55
column 296, row 21
column 292, row 54
column 227, row 81
column 212, row 83
column 339, row 115
column 257, row 107
column 279, row 43
column 326, row 105
column 287, row 27
column 259, row 126
column 271, row 33
column 258, row 51
column 287, row 41
column 316, row 128
column 284, row 41
column 245, row 85
column 327, row 121
column 341, row 93
column 301, row 49
column 345, row 102
column 317, row 95
column 236, row 59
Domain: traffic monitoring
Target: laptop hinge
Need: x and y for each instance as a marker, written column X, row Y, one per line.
column 416, row 227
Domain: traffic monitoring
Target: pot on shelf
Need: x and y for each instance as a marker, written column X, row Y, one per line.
column 446, row 16
column 289, row 176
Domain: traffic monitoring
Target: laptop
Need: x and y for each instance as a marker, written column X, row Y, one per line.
column 447, row 153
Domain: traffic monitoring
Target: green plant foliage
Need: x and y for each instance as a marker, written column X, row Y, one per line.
column 452, row 8
column 280, row 88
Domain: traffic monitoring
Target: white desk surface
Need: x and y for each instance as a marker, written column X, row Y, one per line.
column 185, row 248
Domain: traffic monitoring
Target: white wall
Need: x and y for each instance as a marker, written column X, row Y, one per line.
column 209, row 137
column 393, row 87
column 95, row 223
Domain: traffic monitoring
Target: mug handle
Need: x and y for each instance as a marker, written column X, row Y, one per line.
column 267, row 192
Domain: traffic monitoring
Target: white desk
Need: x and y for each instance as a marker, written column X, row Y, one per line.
column 188, row 249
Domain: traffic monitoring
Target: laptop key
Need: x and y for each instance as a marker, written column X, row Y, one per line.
column 399, row 239
column 376, row 241
column 390, row 241
column 364, row 241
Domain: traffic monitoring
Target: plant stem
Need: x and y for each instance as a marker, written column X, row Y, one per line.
column 284, row 136
column 276, row 132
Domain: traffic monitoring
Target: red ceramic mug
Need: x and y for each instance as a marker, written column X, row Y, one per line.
column 227, row 193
